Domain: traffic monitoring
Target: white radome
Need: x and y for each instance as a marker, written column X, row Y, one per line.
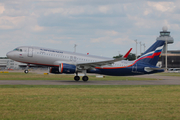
column 165, row 28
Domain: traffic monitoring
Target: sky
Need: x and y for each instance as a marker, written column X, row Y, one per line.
column 98, row 27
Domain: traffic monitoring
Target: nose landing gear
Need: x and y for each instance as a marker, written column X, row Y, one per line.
column 26, row 69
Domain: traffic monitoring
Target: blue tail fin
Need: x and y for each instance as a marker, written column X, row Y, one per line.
column 151, row 56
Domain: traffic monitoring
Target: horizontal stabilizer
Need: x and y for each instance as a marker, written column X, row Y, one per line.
column 149, row 69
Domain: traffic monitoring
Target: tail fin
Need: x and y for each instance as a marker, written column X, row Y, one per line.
column 151, row 56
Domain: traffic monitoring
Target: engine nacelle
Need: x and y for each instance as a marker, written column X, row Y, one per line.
column 54, row 70
column 63, row 68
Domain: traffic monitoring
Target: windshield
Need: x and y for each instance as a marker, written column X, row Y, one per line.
column 17, row 49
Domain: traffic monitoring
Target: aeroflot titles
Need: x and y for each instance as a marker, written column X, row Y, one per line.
column 51, row 50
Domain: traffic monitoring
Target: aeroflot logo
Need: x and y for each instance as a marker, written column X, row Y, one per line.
column 51, row 50
column 158, row 49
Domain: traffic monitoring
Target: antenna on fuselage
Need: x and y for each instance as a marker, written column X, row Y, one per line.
column 75, row 47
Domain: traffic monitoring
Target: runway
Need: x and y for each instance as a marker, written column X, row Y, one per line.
column 164, row 80
column 91, row 82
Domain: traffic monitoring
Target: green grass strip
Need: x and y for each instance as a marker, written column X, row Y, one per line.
column 78, row 86
column 169, row 74
column 89, row 102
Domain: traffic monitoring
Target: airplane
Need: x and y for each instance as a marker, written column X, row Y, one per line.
column 59, row 61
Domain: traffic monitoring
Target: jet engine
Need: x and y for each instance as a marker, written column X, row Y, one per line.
column 63, row 68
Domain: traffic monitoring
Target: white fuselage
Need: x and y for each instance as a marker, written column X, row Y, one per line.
column 51, row 57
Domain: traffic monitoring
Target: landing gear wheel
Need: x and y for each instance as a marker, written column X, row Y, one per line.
column 85, row 78
column 76, row 78
column 26, row 71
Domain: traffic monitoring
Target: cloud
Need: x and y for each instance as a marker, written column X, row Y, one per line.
column 162, row 6
column 53, row 41
column 64, row 10
column 97, row 40
column 38, row 28
column 177, row 44
column 107, row 32
column 123, row 41
column 103, row 9
column 72, row 42
column 2, row 9
column 147, row 12
column 110, row 40
column 7, row 22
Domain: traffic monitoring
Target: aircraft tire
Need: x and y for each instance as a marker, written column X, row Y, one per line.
column 85, row 78
column 26, row 71
column 76, row 78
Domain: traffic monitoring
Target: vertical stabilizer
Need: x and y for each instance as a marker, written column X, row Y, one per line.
column 151, row 56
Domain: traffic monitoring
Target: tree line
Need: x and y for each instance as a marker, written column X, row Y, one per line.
column 131, row 56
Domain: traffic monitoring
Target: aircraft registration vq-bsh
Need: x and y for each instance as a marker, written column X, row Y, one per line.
column 60, row 61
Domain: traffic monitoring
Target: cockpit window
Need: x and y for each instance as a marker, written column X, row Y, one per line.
column 17, row 49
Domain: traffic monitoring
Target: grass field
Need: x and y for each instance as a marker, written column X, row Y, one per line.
column 89, row 102
column 34, row 76
column 83, row 102
column 169, row 74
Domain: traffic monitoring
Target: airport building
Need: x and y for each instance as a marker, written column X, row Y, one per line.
column 11, row 64
column 173, row 59
column 3, row 63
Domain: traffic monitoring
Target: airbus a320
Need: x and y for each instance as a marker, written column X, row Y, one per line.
column 60, row 61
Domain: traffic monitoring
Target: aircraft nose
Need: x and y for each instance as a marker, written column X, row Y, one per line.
column 9, row 54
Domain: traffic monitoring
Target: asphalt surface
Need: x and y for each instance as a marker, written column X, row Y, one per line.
column 163, row 80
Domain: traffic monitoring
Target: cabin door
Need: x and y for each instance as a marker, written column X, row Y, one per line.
column 73, row 59
column 30, row 52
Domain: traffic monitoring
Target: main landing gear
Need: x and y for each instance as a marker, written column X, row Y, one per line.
column 76, row 78
column 84, row 78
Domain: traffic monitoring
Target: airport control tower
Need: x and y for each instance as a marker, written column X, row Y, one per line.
column 165, row 35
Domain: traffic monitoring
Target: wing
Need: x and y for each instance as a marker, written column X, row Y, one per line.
column 101, row 63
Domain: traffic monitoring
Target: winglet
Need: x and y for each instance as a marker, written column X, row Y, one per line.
column 126, row 55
